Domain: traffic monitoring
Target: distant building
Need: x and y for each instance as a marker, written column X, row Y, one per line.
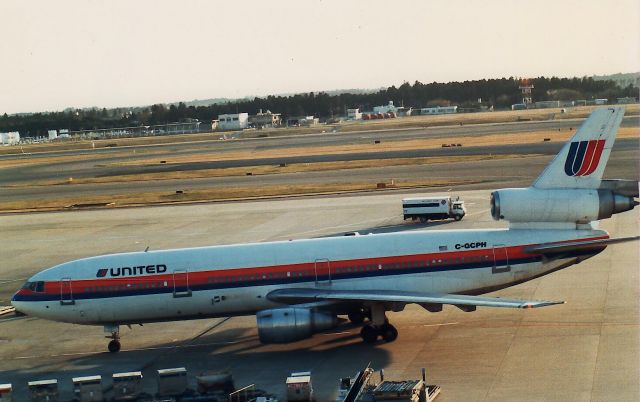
column 601, row 101
column 53, row 134
column 546, row 104
column 439, row 110
column 519, row 106
column 265, row 120
column 214, row 124
column 10, row 138
column 404, row 111
column 237, row 121
column 385, row 109
column 626, row 100
column 302, row 121
column 354, row 114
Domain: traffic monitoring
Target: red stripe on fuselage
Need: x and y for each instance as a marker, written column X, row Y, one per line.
column 200, row 276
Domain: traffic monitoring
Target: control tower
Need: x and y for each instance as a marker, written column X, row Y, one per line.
column 526, row 86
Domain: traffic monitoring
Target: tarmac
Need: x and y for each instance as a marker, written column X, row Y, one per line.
column 586, row 349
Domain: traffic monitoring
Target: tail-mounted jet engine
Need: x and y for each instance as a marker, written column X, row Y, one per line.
column 560, row 205
column 282, row 325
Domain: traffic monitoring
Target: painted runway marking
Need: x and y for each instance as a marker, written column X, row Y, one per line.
column 126, row 350
column 7, row 309
column 479, row 212
column 350, row 225
column 9, row 319
column 336, row 333
column 9, row 280
column 441, row 325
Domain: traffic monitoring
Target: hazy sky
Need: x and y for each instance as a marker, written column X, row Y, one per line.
column 58, row 54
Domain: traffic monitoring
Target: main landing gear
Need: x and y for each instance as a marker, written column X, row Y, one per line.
column 378, row 326
column 114, row 344
column 387, row 332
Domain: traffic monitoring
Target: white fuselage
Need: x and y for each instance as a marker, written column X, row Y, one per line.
column 235, row 279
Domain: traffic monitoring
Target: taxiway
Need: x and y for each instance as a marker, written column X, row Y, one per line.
column 586, row 349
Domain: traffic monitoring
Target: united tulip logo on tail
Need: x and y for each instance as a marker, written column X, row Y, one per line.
column 583, row 157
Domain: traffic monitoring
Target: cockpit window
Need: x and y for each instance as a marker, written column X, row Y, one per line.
column 37, row 287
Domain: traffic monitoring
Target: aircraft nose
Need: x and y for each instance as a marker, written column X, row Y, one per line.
column 20, row 306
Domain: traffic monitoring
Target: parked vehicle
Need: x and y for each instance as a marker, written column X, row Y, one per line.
column 434, row 208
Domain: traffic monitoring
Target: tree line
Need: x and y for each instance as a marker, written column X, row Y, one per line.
column 499, row 93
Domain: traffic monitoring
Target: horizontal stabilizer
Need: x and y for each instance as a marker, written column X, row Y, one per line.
column 303, row 295
column 629, row 188
column 552, row 248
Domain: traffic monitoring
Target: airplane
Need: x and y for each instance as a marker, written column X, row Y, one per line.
column 298, row 288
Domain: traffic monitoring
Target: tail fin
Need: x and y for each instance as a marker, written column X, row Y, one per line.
column 582, row 160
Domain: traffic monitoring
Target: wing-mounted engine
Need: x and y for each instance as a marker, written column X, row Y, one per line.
column 289, row 324
column 558, row 205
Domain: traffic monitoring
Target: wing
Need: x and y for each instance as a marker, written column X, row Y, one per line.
column 554, row 248
column 308, row 295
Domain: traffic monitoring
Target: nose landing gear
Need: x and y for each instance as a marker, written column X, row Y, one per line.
column 114, row 344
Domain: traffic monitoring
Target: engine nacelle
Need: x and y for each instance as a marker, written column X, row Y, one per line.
column 289, row 324
column 557, row 205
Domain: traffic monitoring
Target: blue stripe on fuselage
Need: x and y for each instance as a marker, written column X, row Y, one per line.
column 128, row 291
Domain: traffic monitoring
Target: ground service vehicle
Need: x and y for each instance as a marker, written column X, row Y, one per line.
column 434, row 208
column 297, row 288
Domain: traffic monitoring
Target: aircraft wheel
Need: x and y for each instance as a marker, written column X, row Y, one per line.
column 356, row 317
column 423, row 219
column 457, row 217
column 389, row 333
column 369, row 334
column 114, row 346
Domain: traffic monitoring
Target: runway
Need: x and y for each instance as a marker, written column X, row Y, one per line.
column 115, row 154
column 508, row 172
column 587, row 349
column 519, row 171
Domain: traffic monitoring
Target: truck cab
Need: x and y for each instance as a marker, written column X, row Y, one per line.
column 458, row 210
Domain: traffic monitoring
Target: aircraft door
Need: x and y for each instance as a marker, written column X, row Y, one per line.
column 181, row 283
column 500, row 259
column 323, row 272
column 66, row 293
